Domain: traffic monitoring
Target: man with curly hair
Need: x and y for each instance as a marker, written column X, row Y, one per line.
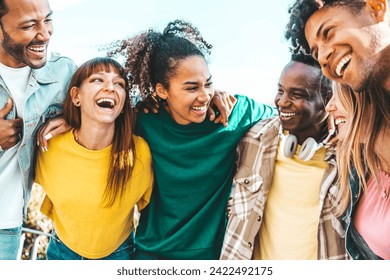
column 349, row 38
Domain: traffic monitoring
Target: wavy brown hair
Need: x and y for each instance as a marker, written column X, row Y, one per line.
column 123, row 149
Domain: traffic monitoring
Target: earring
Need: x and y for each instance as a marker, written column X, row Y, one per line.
column 77, row 103
column 378, row 7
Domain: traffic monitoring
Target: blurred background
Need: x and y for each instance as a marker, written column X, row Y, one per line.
column 249, row 49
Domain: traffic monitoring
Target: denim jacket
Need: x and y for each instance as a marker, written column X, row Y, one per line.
column 355, row 194
column 46, row 91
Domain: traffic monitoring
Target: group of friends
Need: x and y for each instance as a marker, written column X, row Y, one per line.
column 211, row 175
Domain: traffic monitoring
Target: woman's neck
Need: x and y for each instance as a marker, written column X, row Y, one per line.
column 382, row 149
column 94, row 138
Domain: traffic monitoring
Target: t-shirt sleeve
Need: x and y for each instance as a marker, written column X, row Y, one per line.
column 144, row 201
column 250, row 111
column 147, row 173
column 260, row 111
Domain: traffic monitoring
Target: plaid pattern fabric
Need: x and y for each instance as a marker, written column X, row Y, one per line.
column 257, row 154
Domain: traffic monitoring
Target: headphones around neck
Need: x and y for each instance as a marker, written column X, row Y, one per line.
column 289, row 144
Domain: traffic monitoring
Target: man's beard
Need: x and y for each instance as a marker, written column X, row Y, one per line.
column 17, row 51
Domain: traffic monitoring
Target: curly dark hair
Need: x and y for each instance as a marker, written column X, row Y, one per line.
column 301, row 11
column 152, row 57
column 3, row 9
column 324, row 84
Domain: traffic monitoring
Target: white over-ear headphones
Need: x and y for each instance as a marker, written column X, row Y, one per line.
column 289, row 144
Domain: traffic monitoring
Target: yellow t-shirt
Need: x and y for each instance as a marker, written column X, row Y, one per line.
column 74, row 179
column 291, row 216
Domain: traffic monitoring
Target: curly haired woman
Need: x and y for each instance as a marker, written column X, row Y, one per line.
column 194, row 159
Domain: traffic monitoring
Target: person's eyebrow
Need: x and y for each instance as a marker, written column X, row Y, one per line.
column 194, row 83
column 34, row 20
column 320, row 28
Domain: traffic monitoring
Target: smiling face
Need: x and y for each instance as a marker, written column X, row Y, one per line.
column 25, row 33
column 338, row 107
column 350, row 46
column 299, row 102
column 190, row 91
column 101, row 98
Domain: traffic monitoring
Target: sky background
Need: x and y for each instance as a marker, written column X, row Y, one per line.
column 249, row 49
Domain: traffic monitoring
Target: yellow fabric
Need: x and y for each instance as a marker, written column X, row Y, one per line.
column 291, row 217
column 74, row 179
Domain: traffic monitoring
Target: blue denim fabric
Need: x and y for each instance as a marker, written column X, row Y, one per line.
column 9, row 243
column 361, row 245
column 45, row 93
column 57, row 250
column 355, row 194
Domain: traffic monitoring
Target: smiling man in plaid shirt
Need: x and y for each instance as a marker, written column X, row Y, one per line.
column 283, row 201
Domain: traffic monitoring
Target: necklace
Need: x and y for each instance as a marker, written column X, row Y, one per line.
column 77, row 138
column 384, row 183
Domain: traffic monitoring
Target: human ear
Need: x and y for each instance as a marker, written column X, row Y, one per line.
column 378, row 8
column 74, row 93
column 161, row 91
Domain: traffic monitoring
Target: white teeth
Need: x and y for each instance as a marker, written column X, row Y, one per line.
column 199, row 108
column 341, row 64
column 340, row 120
column 287, row 114
column 37, row 49
column 110, row 102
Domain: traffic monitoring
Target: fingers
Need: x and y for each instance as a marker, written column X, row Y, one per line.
column 211, row 113
column 141, row 107
column 332, row 142
column 332, row 139
column 9, row 144
column 154, row 105
column 232, row 102
column 51, row 129
column 223, row 103
column 149, row 104
column 10, row 132
column 6, row 109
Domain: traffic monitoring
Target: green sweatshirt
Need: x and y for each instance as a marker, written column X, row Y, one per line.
column 194, row 166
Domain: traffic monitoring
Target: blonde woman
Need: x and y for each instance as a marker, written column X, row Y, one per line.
column 363, row 158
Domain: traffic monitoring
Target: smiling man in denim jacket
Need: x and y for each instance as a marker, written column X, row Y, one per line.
column 32, row 89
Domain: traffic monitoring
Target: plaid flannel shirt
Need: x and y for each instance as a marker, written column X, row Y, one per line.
column 257, row 154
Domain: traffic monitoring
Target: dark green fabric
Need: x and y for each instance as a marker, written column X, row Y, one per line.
column 194, row 166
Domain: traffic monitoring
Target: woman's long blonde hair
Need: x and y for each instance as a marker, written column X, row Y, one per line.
column 368, row 114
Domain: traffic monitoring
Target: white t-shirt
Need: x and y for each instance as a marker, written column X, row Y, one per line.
column 11, row 189
column 16, row 80
column 11, row 184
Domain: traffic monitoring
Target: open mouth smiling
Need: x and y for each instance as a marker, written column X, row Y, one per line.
column 106, row 103
column 199, row 108
column 340, row 121
column 287, row 116
column 342, row 65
